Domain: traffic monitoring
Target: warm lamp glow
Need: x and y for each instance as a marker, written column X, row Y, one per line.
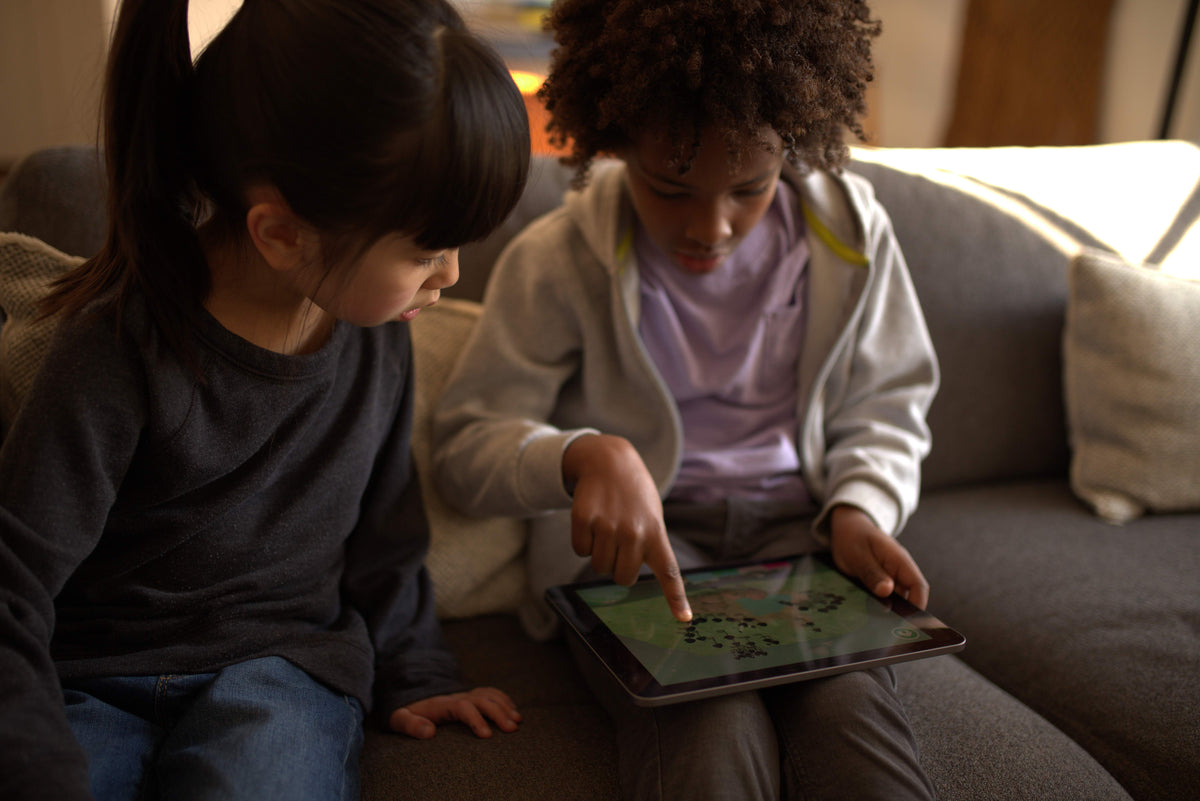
column 528, row 83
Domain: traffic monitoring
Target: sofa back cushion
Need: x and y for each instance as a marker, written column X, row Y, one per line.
column 992, row 288
column 988, row 235
column 57, row 195
column 544, row 189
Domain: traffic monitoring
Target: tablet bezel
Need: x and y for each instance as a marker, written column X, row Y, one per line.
column 645, row 690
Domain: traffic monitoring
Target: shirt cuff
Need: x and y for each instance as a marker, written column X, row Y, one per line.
column 877, row 502
column 540, row 472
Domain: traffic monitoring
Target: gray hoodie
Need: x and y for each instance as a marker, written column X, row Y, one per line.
column 557, row 354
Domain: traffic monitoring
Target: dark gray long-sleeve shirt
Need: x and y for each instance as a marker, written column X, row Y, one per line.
column 153, row 524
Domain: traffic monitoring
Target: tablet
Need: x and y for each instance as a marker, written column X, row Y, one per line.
column 753, row 625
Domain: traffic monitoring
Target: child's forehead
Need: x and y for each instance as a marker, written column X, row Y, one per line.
column 713, row 152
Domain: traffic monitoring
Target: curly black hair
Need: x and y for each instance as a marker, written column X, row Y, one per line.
column 799, row 67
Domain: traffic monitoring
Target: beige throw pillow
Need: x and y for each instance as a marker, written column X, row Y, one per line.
column 1131, row 360
column 476, row 563
column 27, row 267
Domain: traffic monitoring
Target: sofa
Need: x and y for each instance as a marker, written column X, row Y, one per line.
column 1059, row 525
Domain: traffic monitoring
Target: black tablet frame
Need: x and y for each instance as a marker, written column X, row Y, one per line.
column 645, row 690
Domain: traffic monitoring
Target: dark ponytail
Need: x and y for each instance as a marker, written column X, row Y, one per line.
column 151, row 243
column 369, row 116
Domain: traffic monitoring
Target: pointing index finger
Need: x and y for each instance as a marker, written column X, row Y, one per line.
column 666, row 570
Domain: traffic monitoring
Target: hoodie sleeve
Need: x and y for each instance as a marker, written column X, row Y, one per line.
column 879, row 389
column 494, row 449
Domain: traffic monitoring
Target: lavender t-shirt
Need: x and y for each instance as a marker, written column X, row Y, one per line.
column 728, row 345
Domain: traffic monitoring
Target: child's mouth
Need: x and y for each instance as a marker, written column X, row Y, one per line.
column 698, row 264
column 411, row 313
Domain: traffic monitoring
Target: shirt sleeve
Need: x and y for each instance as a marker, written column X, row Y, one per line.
column 386, row 579
column 60, row 466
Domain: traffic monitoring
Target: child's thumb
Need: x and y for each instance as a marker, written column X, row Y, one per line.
column 412, row 724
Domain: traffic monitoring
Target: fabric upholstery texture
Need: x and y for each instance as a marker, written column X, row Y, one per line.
column 1093, row 626
column 475, row 562
column 979, row 743
column 1131, row 360
column 27, row 266
column 57, row 195
column 989, row 234
column 543, row 191
column 998, row 286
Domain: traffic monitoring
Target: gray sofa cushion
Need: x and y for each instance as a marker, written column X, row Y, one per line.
column 57, row 196
column 565, row 748
column 544, row 190
column 997, row 290
column 1096, row 627
column 977, row 742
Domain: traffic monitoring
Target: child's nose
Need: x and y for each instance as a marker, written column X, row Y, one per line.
column 708, row 224
column 447, row 275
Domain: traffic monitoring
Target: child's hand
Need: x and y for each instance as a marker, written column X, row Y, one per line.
column 617, row 516
column 420, row 719
column 861, row 549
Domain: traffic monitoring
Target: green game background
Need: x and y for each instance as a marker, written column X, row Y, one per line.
column 762, row 616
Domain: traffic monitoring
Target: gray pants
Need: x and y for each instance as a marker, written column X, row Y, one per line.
column 841, row 737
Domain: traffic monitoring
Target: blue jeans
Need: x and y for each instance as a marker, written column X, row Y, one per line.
column 261, row 729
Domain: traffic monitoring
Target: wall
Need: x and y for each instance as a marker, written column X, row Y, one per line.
column 917, row 55
column 1141, row 57
column 52, row 64
column 51, row 60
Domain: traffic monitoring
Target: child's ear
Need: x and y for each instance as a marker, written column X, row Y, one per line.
column 281, row 238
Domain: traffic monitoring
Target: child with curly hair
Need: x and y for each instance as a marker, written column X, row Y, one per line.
column 712, row 351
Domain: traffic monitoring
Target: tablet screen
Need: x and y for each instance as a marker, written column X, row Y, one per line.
column 747, row 618
column 752, row 625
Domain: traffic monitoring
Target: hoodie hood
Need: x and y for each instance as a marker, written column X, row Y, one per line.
column 603, row 213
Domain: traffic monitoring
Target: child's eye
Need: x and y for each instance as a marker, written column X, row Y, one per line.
column 753, row 191
column 433, row 261
column 666, row 194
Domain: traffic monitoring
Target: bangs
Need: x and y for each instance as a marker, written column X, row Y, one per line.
column 472, row 155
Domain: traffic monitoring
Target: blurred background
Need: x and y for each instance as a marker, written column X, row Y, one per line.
column 948, row 72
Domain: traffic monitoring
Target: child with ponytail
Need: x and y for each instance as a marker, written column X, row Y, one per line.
column 211, row 534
